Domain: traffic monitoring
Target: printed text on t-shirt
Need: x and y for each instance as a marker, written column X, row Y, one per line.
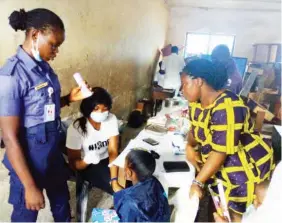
column 99, row 145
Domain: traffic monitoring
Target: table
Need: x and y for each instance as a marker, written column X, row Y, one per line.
column 161, row 94
column 168, row 180
column 177, row 179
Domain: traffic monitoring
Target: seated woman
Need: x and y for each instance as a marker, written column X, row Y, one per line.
column 92, row 143
column 229, row 147
column 145, row 201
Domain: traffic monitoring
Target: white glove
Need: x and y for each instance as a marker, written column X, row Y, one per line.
column 91, row 158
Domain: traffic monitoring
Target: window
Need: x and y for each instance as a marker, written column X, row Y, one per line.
column 197, row 44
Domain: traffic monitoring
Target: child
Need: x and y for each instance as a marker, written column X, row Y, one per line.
column 145, row 201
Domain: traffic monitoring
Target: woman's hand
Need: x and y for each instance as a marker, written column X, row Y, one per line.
column 34, row 199
column 76, row 94
column 219, row 218
column 195, row 190
column 193, row 157
column 116, row 186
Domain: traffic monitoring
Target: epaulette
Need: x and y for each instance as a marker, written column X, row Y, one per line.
column 9, row 67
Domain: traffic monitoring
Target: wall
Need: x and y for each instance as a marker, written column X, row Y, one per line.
column 249, row 26
column 113, row 43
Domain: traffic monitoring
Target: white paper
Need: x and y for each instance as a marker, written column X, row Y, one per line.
column 186, row 209
column 278, row 129
column 223, row 200
column 135, row 143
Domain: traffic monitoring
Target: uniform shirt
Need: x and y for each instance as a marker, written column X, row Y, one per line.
column 24, row 89
column 172, row 65
column 94, row 141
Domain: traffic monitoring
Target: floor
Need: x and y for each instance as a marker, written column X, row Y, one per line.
column 97, row 197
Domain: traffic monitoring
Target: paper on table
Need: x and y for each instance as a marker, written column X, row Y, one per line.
column 278, row 129
column 186, row 209
column 223, row 200
column 135, row 143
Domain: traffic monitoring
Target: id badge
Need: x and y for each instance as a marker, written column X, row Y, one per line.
column 49, row 112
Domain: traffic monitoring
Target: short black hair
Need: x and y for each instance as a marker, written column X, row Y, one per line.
column 214, row 73
column 221, row 53
column 174, row 49
column 40, row 19
column 99, row 96
column 142, row 162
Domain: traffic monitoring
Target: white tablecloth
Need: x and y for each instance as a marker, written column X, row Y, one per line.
column 177, row 179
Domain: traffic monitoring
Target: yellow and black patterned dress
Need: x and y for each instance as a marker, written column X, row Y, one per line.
column 226, row 127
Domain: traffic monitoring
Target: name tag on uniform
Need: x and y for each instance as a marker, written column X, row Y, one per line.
column 40, row 86
column 49, row 112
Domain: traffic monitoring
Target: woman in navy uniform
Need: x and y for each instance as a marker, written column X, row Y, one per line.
column 30, row 105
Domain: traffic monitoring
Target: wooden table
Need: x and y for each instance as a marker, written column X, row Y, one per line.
column 159, row 94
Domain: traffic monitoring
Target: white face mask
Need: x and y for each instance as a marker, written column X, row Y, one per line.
column 99, row 116
column 35, row 50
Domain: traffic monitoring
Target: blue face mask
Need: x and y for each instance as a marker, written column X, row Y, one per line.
column 35, row 50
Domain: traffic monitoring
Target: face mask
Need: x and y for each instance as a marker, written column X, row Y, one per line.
column 35, row 51
column 99, row 116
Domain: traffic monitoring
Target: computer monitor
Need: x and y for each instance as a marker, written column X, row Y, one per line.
column 241, row 63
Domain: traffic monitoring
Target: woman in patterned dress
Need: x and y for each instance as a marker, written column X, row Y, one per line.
column 229, row 147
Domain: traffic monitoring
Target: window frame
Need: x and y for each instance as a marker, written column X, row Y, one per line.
column 208, row 34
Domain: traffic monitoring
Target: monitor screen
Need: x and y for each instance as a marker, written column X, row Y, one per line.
column 241, row 63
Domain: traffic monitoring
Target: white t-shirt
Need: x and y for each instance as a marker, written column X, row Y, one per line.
column 172, row 65
column 95, row 141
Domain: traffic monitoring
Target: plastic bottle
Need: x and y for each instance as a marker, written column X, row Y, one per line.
column 84, row 89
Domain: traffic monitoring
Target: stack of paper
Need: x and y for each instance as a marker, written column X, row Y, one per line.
column 157, row 120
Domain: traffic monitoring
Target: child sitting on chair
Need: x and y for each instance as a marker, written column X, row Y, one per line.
column 145, row 201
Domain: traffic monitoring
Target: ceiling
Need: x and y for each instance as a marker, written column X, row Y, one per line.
column 269, row 5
